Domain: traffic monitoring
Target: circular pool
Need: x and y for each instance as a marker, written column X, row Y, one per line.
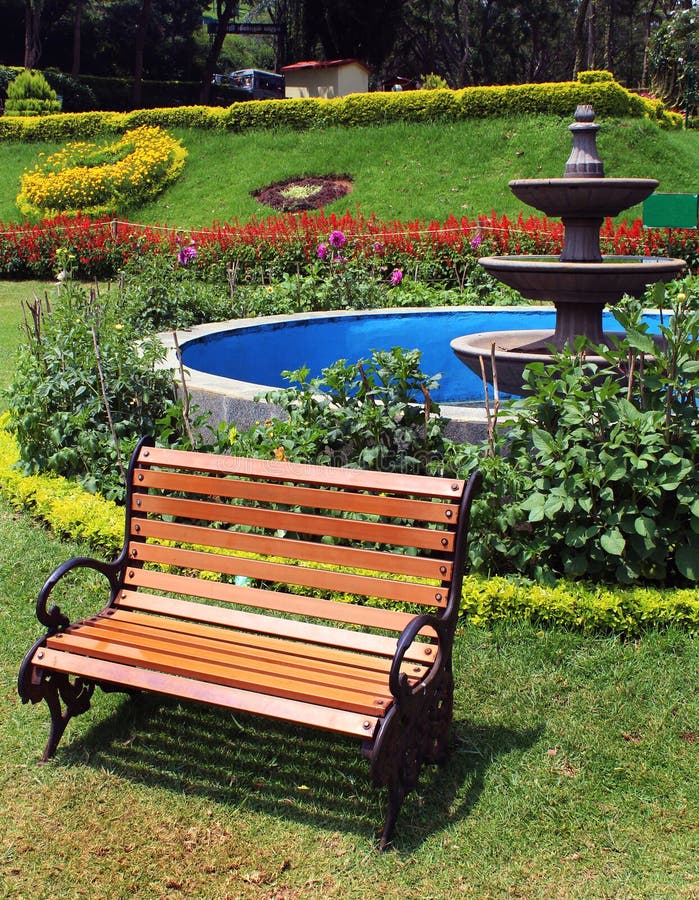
column 257, row 351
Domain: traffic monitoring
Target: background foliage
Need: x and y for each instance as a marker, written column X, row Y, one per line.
column 465, row 42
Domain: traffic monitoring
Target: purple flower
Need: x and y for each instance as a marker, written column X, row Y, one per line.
column 322, row 251
column 187, row 254
column 477, row 241
column 337, row 239
column 396, row 277
column 378, row 247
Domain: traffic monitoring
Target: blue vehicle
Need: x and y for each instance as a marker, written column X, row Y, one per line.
column 252, row 84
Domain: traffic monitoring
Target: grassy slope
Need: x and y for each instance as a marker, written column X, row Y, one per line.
column 400, row 171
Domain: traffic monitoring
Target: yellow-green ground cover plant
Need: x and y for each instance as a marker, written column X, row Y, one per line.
column 559, row 98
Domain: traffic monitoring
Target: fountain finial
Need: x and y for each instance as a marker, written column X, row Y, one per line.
column 584, row 161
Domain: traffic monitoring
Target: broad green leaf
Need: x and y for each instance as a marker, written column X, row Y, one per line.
column 613, row 542
column 687, row 559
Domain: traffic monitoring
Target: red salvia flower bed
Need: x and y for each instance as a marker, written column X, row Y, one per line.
column 434, row 251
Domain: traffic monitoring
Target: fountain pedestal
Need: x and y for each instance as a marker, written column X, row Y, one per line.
column 581, row 281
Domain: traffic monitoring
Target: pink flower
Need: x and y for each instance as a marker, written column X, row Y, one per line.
column 337, row 239
column 322, row 251
column 187, row 254
column 396, row 277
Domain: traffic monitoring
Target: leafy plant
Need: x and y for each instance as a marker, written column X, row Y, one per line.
column 373, row 414
column 85, row 389
column 602, row 459
column 159, row 293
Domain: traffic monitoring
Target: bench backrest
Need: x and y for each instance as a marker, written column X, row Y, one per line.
column 361, row 548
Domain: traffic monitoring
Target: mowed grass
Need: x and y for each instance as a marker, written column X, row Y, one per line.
column 573, row 774
column 400, row 171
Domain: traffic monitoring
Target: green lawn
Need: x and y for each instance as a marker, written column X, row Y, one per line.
column 403, row 171
column 12, row 293
column 573, row 774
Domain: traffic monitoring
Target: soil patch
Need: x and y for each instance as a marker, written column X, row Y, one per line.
column 298, row 194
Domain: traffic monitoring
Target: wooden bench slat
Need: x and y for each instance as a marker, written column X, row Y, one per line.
column 276, row 601
column 286, row 659
column 353, row 700
column 264, row 624
column 304, row 523
column 268, row 469
column 296, row 550
column 320, row 579
column 176, row 630
column 340, row 721
column 290, row 495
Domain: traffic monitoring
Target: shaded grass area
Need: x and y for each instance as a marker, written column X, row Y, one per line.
column 573, row 774
column 403, row 171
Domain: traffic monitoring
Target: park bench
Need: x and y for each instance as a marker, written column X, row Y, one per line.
column 323, row 596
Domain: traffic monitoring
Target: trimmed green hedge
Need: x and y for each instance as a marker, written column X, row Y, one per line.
column 607, row 97
column 71, row 512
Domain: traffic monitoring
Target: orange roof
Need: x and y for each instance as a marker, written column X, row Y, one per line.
column 323, row 64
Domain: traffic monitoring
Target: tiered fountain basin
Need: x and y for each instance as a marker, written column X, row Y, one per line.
column 581, row 281
column 579, row 294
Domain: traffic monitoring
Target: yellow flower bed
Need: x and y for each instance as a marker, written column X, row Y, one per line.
column 102, row 178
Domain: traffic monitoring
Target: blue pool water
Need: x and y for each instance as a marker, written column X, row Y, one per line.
column 260, row 353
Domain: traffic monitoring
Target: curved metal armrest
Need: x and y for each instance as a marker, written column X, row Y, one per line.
column 396, row 681
column 52, row 617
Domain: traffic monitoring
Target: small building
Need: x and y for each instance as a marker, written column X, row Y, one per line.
column 328, row 78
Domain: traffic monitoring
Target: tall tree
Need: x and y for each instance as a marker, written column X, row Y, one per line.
column 77, row 36
column 32, row 33
column 225, row 11
column 141, row 30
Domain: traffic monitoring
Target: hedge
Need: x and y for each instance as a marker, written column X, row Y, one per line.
column 72, row 513
column 560, row 98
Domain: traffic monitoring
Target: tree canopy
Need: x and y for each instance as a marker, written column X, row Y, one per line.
column 466, row 42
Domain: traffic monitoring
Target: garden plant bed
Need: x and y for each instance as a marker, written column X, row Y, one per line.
column 298, row 194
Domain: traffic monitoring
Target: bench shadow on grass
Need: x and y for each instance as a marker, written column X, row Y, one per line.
column 285, row 771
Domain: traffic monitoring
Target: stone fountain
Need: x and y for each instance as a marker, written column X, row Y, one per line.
column 581, row 281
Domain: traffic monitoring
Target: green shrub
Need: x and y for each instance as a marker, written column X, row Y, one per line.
column 433, row 82
column 595, row 75
column 597, row 475
column 84, row 391
column 159, row 294
column 30, row 94
column 606, row 96
column 372, row 414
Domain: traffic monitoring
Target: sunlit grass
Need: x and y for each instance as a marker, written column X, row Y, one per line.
column 12, row 293
column 400, row 171
column 573, row 774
